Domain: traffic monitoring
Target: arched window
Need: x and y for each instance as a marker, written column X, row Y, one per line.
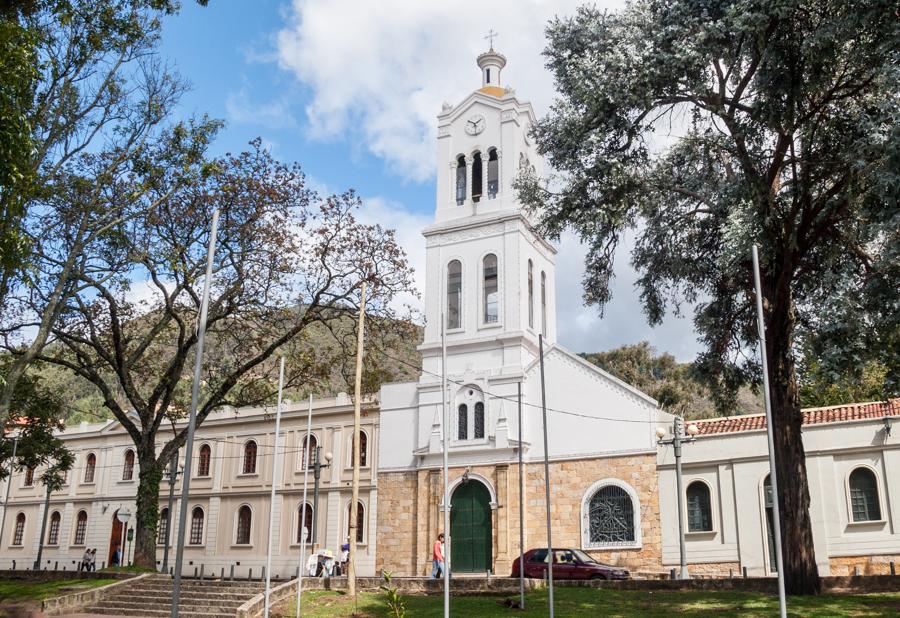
column 454, row 294
column 864, row 504
column 363, row 448
column 203, row 462
column 19, row 531
column 89, row 466
column 479, row 420
column 308, row 452
column 699, row 507
column 610, row 516
column 460, row 180
column 28, row 481
column 163, row 526
column 304, row 520
column 360, row 520
column 53, row 533
column 462, row 422
column 80, row 527
column 196, row 526
column 128, row 468
column 476, row 176
column 491, row 290
column 250, row 457
column 245, row 516
column 543, row 303
column 530, row 294
column 493, row 173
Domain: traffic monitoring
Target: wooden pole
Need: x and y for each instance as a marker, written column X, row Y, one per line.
column 354, row 508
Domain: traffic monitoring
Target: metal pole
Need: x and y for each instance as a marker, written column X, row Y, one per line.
column 37, row 561
column 676, row 443
column 12, row 465
column 357, row 396
column 173, row 473
column 445, row 435
column 304, row 533
column 546, row 477
column 317, row 472
column 192, row 417
column 776, row 509
column 274, row 482
column 521, row 511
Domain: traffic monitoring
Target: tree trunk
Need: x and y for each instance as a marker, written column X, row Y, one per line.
column 801, row 574
column 147, row 515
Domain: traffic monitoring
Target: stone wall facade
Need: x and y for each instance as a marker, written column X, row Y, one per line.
column 867, row 565
column 410, row 517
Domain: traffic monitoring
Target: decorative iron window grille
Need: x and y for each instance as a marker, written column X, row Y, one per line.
column 699, row 508
column 196, row 526
column 243, row 527
column 611, row 517
column 163, row 525
column 479, row 420
column 20, row 529
column 864, row 504
column 53, row 535
column 80, row 528
column 462, row 422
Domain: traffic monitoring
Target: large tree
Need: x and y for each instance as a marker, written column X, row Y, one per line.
column 709, row 126
column 288, row 267
column 84, row 102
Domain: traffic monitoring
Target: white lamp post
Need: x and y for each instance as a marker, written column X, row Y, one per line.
column 676, row 441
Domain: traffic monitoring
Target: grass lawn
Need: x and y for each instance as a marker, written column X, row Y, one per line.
column 14, row 591
column 598, row 602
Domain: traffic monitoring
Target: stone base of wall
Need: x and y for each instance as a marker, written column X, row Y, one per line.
column 715, row 569
column 864, row 565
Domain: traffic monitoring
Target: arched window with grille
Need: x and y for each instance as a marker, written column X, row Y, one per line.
column 128, row 467
column 476, row 176
column 304, row 520
column 308, row 452
column 460, row 180
column 479, row 420
column 204, row 460
column 462, row 422
column 53, row 533
column 196, row 537
column 244, row 520
column 360, row 521
column 162, row 527
column 699, row 507
column 249, row 457
column 363, row 448
column 80, row 528
column 610, row 512
column 454, row 294
column 19, row 530
column 90, row 465
column 491, row 289
column 864, row 502
column 530, row 294
column 493, row 174
column 28, row 481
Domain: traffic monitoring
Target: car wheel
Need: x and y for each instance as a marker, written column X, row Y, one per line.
column 597, row 577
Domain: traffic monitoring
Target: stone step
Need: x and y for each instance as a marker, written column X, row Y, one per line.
column 154, row 613
column 187, row 604
column 232, row 601
column 145, row 589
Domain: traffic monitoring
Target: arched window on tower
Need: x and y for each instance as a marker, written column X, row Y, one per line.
column 476, row 176
column 128, row 468
column 491, row 290
column 543, row 303
column 249, row 458
column 308, row 452
column 196, row 537
column 80, row 527
column 53, row 534
column 454, row 294
column 530, row 294
column 699, row 507
column 460, row 180
column 245, row 516
column 304, row 520
column 493, row 173
column 479, row 420
column 203, row 463
column 19, row 531
column 89, row 467
column 462, row 422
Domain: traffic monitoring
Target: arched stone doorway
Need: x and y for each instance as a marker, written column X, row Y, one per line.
column 470, row 528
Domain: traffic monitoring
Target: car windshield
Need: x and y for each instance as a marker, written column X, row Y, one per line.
column 583, row 557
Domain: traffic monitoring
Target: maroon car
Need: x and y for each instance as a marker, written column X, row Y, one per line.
column 567, row 564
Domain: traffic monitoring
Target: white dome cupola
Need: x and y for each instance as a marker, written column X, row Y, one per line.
column 491, row 63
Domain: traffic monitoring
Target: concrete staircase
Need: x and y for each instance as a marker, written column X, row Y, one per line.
column 152, row 597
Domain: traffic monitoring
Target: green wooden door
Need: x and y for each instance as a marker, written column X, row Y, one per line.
column 470, row 528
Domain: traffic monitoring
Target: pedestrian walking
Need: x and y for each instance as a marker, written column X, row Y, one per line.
column 437, row 557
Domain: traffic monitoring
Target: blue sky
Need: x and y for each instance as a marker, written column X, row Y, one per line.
column 350, row 89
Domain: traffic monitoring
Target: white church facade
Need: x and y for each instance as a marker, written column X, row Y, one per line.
column 490, row 286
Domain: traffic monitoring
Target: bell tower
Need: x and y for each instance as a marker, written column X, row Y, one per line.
column 489, row 275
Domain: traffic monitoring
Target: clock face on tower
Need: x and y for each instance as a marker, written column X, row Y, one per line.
column 475, row 124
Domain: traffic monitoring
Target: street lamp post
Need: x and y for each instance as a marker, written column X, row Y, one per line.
column 173, row 476
column 317, row 474
column 678, row 438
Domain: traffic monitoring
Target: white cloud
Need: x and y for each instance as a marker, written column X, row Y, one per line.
column 382, row 69
column 273, row 115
